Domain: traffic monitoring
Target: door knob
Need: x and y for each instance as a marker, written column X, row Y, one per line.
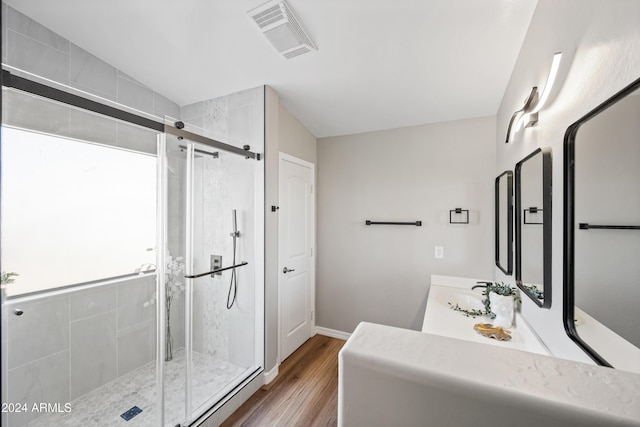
column 286, row 270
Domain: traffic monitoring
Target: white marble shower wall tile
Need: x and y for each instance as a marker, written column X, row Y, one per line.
column 44, row 380
column 246, row 117
column 42, row 330
column 216, row 116
column 93, row 353
column 216, row 320
column 211, row 318
column 198, row 324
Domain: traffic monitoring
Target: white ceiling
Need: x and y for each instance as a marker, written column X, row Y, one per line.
column 380, row 64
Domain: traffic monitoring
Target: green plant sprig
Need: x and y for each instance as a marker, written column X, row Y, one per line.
column 533, row 289
column 468, row 313
column 7, row 278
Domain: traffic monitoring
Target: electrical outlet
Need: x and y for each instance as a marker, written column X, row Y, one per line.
column 439, row 252
column 216, row 263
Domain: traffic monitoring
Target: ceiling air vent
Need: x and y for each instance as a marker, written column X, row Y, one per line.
column 282, row 29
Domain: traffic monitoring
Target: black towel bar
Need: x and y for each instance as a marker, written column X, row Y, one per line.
column 416, row 223
column 585, row 226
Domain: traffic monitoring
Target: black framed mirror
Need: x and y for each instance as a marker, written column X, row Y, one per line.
column 602, row 231
column 533, row 226
column 504, row 222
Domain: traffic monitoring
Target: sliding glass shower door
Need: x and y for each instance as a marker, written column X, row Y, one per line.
column 211, row 338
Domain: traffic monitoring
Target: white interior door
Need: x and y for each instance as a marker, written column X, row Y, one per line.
column 295, row 253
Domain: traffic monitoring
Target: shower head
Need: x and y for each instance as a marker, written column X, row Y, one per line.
column 234, row 220
column 180, row 154
column 215, row 154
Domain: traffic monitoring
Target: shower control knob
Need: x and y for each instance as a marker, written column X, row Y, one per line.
column 286, row 270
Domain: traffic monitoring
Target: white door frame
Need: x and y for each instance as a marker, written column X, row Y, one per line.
column 312, row 267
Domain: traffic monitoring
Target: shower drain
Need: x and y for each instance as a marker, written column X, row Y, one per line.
column 131, row 413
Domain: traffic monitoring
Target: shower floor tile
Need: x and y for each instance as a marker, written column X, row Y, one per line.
column 104, row 405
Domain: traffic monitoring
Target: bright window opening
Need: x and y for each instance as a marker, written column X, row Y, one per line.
column 73, row 211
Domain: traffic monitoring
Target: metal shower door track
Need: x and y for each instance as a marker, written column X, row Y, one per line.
column 26, row 85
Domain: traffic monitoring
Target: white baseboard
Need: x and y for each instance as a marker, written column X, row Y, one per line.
column 271, row 375
column 332, row 333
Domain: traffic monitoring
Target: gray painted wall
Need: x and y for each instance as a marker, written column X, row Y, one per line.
column 381, row 273
column 295, row 139
column 284, row 133
column 272, row 146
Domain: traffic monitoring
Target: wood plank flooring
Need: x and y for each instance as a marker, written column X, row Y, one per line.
column 305, row 393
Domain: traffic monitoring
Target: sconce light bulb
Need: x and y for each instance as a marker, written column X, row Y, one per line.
column 553, row 73
column 524, row 118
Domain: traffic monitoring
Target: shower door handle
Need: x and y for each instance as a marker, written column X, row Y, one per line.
column 209, row 273
column 286, row 270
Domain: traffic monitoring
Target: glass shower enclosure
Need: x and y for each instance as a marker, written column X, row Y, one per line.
column 211, row 234
column 132, row 266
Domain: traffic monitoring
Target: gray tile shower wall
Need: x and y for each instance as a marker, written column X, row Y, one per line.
column 65, row 346
column 34, row 48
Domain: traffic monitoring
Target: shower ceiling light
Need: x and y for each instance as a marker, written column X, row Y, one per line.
column 280, row 26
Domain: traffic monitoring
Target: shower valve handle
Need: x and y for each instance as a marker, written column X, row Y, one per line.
column 286, row 270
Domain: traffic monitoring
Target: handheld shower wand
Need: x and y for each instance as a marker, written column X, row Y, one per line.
column 233, row 284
